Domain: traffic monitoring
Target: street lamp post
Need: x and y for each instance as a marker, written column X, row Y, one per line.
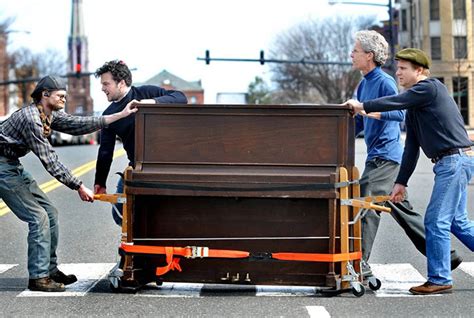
column 391, row 33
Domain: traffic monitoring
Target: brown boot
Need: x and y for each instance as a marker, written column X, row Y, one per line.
column 45, row 284
column 430, row 288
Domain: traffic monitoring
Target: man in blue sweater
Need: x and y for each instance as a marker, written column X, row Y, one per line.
column 384, row 149
column 116, row 80
column 435, row 124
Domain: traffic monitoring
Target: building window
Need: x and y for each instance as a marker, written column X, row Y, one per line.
column 459, row 9
column 403, row 18
column 436, row 48
column 434, row 10
column 460, row 47
column 193, row 100
column 460, row 95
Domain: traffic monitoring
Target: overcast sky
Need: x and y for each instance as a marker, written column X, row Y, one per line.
column 152, row 35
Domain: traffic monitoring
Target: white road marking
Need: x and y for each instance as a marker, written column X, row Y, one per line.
column 195, row 290
column 397, row 279
column 467, row 267
column 88, row 275
column 187, row 290
column 264, row 290
column 317, row 311
column 5, row 267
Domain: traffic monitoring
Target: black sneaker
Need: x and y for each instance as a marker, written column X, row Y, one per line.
column 60, row 277
column 45, row 284
column 455, row 262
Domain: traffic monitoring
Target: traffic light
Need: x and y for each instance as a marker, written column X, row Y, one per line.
column 78, row 69
column 262, row 57
column 208, row 58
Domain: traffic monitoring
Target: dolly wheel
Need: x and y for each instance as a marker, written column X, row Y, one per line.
column 375, row 284
column 115, row 285
column 358, row 289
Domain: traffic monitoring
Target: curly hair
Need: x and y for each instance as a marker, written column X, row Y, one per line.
column 372, row 41
column 118, row 69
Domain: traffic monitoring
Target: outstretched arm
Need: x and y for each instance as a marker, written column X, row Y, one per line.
column 128, row 110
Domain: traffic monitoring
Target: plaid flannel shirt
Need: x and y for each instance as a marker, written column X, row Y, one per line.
column 22, row 132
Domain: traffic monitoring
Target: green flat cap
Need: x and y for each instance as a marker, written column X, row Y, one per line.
column 415, row 56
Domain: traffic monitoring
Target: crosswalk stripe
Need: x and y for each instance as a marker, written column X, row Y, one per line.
column 88, row 275
column 397, row 279
column 198, row 290
column 467, row 267
column 170, row 290
column 317, row 311
column 5, row 267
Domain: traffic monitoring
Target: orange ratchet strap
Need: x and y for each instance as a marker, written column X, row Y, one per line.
column 313, row 257
column 201, row 252
column 188, row 252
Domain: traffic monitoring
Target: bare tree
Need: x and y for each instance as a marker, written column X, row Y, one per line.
column 27, row 65
column 329, row 39
column 51, row 62
column 4, row 97
column 24, row 65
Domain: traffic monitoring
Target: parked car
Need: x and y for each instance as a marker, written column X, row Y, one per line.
column 58, row 138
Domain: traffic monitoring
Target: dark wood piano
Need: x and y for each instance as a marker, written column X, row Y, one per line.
column 265, row 181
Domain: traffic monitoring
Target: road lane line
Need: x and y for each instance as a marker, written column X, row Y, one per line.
column 53, row 184
column 88, row 275
column 5, row 267
column 317, row 311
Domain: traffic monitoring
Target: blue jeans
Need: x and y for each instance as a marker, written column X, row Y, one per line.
column 29, row 203
column 117, row 214
column 447, row 213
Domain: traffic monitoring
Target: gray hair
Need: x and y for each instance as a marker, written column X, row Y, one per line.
column 372, row 41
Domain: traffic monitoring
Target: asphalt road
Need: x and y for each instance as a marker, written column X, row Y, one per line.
column 89, row 240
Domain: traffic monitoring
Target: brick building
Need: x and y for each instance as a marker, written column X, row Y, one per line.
column 445, row 30
column 193, row 90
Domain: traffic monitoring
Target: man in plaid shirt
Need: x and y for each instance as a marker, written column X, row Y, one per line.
column 27, row 130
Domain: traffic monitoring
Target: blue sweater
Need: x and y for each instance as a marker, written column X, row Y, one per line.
column 125, row 127
column 434, row 122
column 382, row 137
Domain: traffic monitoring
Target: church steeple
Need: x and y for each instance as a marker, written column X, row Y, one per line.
column 79, row 99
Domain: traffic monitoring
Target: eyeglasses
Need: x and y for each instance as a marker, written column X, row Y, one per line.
column 61, row 96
